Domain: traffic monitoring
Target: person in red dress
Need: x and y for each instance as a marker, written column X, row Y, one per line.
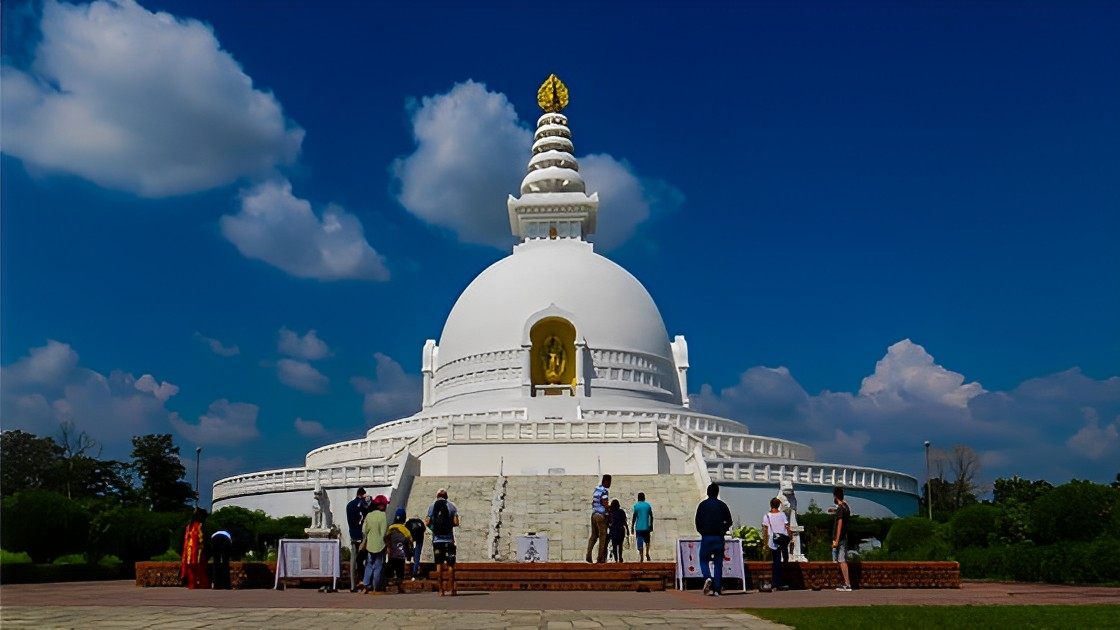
column 192, row 565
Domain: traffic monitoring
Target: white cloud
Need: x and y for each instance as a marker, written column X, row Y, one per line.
column 224, row 423
column 282, row 230
column 48, row 386
column 908, row 372
column 309, row 428
column 1046, row 427
column 302, row 376
column 393, row 394
column 162, row 391
column 140, row 101
column 308, row 347
column 472, row 151
column 1093, row 440
column 217, row 347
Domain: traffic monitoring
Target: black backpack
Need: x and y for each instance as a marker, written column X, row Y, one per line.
column 441, row 519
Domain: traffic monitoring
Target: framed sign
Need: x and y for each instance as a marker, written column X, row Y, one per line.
column 532, row 548
column 688, row 561
column 308, row 558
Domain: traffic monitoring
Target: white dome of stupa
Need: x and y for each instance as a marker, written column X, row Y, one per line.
column 608, row 306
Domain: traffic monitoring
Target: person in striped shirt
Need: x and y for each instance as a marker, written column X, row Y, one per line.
column 600, row 500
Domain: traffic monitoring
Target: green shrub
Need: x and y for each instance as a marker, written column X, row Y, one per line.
column 908, row 534
column 974, row 526
column 71, row 558
column 44, row 524
column 11, row 557
column 1069, row 563
column 135, row 534
column 110, row 561
column 168, row 556
column 1093, row 504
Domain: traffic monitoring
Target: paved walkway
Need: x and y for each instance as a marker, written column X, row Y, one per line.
column 123, row 605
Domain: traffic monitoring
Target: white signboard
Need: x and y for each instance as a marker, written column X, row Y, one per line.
column 532, row 548
column 308, row 558
column 688, row 561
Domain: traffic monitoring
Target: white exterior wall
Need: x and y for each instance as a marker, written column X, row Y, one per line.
column 585, row 458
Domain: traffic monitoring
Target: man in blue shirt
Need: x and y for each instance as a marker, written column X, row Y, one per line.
column 600, row 499
column 355, row 513
column 642, row 525
column 713, row 519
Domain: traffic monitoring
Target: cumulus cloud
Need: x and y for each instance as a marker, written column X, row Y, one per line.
column 392, row 394
column 308, row 347
column 217, row 347
column 471, row 152
column 140, row 101
column 302, row 376
column 1057, row 426
column 309, row 428
column 48, row 387
column 161, row 390
column 223, row 423
column 281, row 229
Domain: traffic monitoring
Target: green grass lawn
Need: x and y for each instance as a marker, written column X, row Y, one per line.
column 915, row 617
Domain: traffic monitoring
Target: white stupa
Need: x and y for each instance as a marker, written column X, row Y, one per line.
column 554, row 367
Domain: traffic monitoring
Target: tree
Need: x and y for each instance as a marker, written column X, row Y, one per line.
column 155, row 460
column 28, row 462
column 961, row 466
column 75, row 444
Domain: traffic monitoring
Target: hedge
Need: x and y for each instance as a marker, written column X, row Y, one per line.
column 1090, row 562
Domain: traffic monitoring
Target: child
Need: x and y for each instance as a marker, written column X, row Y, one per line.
column 398, row 548
column 618, row 529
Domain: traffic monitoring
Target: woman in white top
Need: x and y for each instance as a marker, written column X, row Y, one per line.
column 775, row 530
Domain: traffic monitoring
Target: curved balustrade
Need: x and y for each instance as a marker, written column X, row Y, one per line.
column 414, row 424
column 761, row 471
column 575, row 431
column 289, row 479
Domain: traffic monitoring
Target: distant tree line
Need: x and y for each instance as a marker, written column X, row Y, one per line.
column 60, row 499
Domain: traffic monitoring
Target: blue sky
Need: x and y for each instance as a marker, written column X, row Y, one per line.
column 801, row 186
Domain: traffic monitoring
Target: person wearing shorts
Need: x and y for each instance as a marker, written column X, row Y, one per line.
column 840, row 517
column 442, row 518
column 642, row 526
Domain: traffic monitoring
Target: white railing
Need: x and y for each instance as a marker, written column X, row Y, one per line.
column 412, row 425
column 812, row 473
column 560, row 431
column 288, row 479
column 718, row 433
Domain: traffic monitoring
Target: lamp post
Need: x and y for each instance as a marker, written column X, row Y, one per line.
column 929, row 486
column 198, row 455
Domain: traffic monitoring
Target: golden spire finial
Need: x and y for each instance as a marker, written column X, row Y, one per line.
column 553, row 95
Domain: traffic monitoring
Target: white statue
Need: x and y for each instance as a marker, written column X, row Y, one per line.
column 789, row 506
column 321, row 517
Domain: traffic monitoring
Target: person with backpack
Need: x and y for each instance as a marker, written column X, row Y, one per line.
column 776, row 533
column 442, row 519
column 417, row 528
column 398, row 548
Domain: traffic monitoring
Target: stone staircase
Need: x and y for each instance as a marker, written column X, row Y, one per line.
column 473, row 497
column 560, row 507
column 495, row 510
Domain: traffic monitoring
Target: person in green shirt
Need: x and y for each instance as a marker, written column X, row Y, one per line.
column 373, row 537
column 642, row 525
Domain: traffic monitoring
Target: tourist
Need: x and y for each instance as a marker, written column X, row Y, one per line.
column 841, row 514
column 220, row 544
column 619, row 530
column 355, row 513
column 192, row 563
column 776, row 533
column 713, row 519
column 599, row 502
column 443, row 518
column 642, row 525
column 373, row 539
column 398, row 548
column 416, row 528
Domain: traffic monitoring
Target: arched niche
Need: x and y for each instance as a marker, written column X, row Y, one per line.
column 552, row 355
